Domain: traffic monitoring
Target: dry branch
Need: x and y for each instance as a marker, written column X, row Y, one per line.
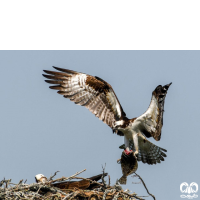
column 145, row 186
column 48, row 191
column 67, row 178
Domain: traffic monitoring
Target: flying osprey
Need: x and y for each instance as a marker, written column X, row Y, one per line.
column 99, row 97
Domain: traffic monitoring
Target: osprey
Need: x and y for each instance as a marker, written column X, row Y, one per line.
column 99, row 97
column 83, row 184
column 88, row 183
column 40, row 178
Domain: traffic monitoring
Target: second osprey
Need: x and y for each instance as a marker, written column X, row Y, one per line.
column 99, row 97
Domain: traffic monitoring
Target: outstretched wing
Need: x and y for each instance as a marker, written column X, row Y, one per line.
column 149, row 152
column 89, row 91
column 151, row 121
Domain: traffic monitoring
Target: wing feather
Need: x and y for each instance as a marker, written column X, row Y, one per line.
column 151, row 121
column 89, row 91
column 148, row 152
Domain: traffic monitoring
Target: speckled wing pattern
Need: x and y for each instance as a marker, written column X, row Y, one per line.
column 129, row 165
column 151, row 121
column 148, row 152
column 89, row 91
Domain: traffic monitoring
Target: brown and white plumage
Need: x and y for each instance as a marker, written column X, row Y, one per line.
column 40, row 178
column 99, row 97
column 83, row 184
column 89, row 91
column 129, row 165
column 153, row 117
column 147, row 152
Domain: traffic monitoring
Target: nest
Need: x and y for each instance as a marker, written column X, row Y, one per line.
column 64, row 188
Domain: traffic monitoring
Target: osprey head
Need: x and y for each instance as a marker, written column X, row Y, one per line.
column 40, row 178
column 118, row 125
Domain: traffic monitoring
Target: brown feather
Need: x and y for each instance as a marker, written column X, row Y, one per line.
column 54, row 82
column 83, row 184
column 151, row 121
column 65, row 70
column 92, row 92
column 57, row 73
column 160, row 94
column 54, row 77
column 148, row 152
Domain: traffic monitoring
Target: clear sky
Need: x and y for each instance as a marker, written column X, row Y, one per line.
column 42, row 132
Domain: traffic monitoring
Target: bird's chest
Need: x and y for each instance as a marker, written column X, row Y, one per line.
column 131, row 130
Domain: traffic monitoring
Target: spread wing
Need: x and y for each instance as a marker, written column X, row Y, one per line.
column 89, row 91
column 151, row 121
column 83, row 184
column 148, row 152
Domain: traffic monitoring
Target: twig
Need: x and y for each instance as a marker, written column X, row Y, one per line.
column 66, row 178
column 51, row 177
column 108, row 180
column 132, row 195
column 145, row 186
column 1, row 183
column 20, row 182
column 68, row 195
column 116, row 196
column 105, row 193
column 37, row 191
column 136, row 182
column 102, row 177
column 117, row 186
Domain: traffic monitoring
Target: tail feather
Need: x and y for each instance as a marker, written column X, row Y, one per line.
column 148, row 152
column 123, row 180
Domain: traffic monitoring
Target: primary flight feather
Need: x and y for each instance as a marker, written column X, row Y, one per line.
column 99, row 97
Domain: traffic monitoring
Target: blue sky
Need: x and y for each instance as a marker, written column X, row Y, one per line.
column 42, row 132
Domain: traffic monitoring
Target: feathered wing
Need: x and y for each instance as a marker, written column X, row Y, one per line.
column 83, row 184
column 148, row 152
column 151, row 121
column 89, row 91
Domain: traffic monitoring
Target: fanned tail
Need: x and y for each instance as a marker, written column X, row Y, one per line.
column 123, row 180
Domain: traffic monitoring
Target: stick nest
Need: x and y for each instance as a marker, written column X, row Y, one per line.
column 59, row 189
